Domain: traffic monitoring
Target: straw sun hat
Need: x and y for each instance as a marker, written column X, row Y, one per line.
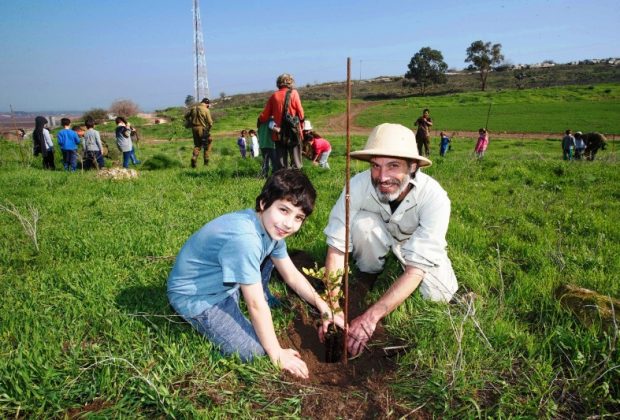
column 393, row 140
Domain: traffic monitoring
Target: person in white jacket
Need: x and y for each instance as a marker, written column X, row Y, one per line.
column 393, row 207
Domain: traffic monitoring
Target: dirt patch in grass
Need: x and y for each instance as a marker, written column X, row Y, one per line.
column 356, row 390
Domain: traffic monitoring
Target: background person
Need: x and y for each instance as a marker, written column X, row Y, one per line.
column 321, row 148
column 42, row 143
column 423, row 135
column 568, row 145
column 580, row 145
column 68, row 140
column 594, row 142
column 254, row 143
column 198, row 118
column 267, row 148
column 93, row 148
column 444, row 144
column 284, row 147
column 234, row 255
column 393, row 207
column 482, row 143
column 242, row 143
column 123, row 140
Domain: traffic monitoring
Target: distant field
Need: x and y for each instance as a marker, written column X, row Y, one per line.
column 550, row 110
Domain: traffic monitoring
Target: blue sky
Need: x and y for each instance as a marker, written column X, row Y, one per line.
column 80, row 54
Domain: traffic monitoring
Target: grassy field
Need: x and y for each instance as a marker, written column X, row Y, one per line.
column 85, row 327
column 551, row 110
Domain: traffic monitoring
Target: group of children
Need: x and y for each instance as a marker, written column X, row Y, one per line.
column 573, row 147
column 315, row 147
column 244, row 144
column 69, row 139
column 479, row 149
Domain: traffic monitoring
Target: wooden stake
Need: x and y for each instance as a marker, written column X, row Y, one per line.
column 347, row 199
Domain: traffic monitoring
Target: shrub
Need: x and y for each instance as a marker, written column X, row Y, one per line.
column 98, row 114
column 124, row 108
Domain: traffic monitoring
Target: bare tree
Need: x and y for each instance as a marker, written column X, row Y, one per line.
column 483, row 56
column 124, row 108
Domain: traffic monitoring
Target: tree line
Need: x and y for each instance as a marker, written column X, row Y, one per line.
column 427, row 67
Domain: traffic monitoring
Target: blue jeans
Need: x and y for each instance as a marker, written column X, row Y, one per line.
column 126, row 159
column 225, row 325
column 133, row 157
column 69, row 160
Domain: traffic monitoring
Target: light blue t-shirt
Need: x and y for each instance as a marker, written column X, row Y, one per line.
column 223, row 254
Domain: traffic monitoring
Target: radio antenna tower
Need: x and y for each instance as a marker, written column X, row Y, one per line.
column 200, row 62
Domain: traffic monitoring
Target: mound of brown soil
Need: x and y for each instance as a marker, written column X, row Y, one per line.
column 358, row 388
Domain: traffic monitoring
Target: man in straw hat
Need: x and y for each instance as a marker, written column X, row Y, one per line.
column 393, row 206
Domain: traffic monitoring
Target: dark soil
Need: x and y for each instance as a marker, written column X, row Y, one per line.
column 358, row 389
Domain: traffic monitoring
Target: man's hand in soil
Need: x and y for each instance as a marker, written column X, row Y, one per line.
column 327, row 321
column 290, row 361
column 360, row 331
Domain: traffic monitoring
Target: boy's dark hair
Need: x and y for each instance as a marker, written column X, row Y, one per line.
column 291, row 185
column 426, row 110
column 252, row 132
column 120, row 119
column 90, row 123
column 65, row 121
column 567, row 132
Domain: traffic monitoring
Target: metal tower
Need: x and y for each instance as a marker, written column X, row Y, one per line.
column 201, row 83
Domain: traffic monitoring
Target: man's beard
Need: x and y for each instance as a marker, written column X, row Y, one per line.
column 385, row 197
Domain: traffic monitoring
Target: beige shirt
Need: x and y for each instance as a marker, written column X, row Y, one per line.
column 419, row 224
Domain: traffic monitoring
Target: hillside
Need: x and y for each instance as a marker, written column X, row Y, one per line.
column 391, row 87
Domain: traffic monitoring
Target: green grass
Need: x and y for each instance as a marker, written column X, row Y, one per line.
column 551, row 110
column 85, row 325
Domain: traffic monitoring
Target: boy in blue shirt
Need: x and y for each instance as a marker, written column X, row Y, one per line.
column 234, row 255
column 68, row 141
column 444, row 144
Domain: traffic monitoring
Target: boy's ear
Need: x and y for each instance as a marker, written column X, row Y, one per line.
column 261, row 205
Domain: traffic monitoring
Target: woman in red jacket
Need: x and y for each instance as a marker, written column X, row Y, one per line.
column 275, row 108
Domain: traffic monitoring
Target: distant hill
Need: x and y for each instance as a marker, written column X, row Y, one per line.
column 389, row 87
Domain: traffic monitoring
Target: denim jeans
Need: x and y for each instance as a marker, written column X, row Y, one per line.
column 126, row 159
column 69, row 160
column 227, row 327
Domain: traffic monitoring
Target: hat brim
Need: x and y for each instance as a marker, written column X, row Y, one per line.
column 370, row 153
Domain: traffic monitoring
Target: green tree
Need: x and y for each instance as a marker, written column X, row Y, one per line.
column 189, row 100
column 98, row 114
column 483, row 56
column 427, row 68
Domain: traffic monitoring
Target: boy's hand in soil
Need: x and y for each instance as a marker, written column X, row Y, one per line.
column 360, row 331
column 327, row 321
column 290, row 361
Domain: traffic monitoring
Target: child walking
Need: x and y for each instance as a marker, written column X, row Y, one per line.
column 482, row 143
column 232, row 256
column 68, row 141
